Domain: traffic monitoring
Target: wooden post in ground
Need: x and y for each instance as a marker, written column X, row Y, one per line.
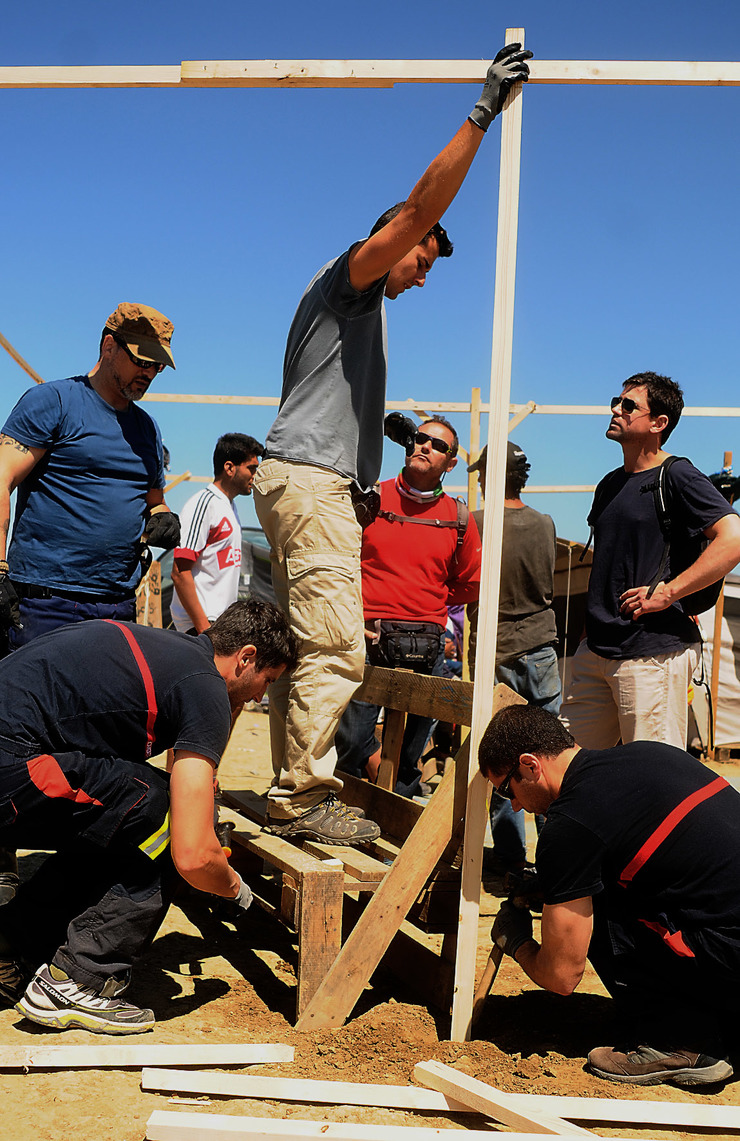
column 503, row 332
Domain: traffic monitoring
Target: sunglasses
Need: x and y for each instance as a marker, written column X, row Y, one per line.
column 140, row 362
column 628, row 405
column 439, row 445
column 504, row 789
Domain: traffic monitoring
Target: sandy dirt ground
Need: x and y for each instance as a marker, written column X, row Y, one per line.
column 210, row 982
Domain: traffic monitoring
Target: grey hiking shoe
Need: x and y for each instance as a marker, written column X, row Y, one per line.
column 646, row 1066
column 329, row 822
column 8, row 887
column 53, row 999
column 14, row 976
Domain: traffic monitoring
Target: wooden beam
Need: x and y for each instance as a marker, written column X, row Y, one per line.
column 150, row 1054
column 135, row 75
column 424, row 695
column 164, row 1125
column 682, row 1115
column 19, row 360
column 319, row 926
column 486, row 1099
column 476, row 812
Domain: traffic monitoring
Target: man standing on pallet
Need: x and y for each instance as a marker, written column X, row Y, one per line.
column 325, row 449
column 89, row 469
column 420, row 554
column 630, row 676
column 637, row 865
column 81, row 712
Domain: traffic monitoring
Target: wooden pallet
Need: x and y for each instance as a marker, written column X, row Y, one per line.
column 409, row 876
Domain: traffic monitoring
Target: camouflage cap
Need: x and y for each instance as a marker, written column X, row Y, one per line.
column 146, row 331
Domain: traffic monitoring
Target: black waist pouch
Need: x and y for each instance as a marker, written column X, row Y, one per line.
column 412, row 645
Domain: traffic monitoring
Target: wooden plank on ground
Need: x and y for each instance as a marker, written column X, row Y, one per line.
column 486, row 1099
column 142, row 1054
column 441, row 697
column 682, row 1115
column 165, row 1125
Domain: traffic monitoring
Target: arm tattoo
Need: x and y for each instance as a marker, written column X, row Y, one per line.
column 8, row 441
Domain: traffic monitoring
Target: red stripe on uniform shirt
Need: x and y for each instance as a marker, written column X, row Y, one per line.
column 146, row 677
column 672, row 939
column 664, row 829
column 46, row 774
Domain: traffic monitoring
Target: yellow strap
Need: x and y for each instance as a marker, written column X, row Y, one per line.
column 155, row 844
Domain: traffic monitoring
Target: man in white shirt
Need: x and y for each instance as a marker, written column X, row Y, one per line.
column 206, row 565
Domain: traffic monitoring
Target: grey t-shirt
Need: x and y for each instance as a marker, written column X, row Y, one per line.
column 334, row 374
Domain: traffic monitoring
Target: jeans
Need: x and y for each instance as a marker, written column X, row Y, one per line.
column 355, row 740
column 42, row 615
column 535, row 676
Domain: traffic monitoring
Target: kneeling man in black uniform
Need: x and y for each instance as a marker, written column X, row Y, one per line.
column 82, row 710
column 638, row 867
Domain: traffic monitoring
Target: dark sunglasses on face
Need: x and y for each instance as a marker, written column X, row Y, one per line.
column 140, row 362
column 439, row 445
column 504, row 789
column 628, row 404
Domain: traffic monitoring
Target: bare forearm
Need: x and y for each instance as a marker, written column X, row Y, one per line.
column 4, row 522
column 554, row 973
column 717, row 560
column 207, row 870
column 184, row 584
column 440, row 182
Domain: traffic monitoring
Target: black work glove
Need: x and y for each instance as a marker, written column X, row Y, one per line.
column 401, row 430
column 163, row 530
column 10, row 611
column 506, row 70
column 512, row 928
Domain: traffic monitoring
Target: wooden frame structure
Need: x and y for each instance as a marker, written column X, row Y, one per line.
column 384, row 74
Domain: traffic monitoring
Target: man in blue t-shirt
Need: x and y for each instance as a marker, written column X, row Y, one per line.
column 323, row 450
column 636, row 868
column 629, row 678
column 87, row 464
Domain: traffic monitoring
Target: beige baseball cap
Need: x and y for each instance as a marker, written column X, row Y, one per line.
column 146, row 331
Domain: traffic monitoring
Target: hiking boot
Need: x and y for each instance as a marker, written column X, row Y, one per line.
column 14, row 977
column 648, row 1067
column 329, row 822
column 8, row 886
column 53, row 999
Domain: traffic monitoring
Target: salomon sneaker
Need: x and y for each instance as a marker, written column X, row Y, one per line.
column 648, row 1067
column 329, row 822
column 53, row 999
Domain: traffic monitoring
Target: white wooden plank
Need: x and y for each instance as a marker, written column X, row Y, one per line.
column 141, row 1054
column 299, row 1089
column 135, row 75
column 476, row 812
column 165, row 1125
column 493, row 1102
column 682, row 1115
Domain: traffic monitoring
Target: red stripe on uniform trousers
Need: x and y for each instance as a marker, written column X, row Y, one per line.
column 666, row 827
column 146, row 677
column 46, row 774
column 673, row 939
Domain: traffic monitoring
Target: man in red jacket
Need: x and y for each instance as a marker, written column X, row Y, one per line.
column 421, row 554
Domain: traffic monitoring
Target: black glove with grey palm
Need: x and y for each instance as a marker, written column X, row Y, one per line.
column 512, row 928
column 163, row 530
column 508, row 68
column 401, row 430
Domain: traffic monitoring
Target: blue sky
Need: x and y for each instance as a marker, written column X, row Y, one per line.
column 218, row 206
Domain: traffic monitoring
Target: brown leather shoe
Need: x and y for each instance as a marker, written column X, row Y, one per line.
column 646, row 1066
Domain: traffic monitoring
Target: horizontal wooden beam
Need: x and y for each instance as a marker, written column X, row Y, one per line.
column 142, row 1054
column 166, row 1125
column 384, row 73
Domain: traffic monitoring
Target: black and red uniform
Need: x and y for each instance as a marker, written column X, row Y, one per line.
column 654, row 837
column 81, row 712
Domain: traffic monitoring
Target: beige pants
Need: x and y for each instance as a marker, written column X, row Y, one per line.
column 307, row 515
column 644, row 699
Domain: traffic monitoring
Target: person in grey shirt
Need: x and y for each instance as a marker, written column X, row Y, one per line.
column 323, row 451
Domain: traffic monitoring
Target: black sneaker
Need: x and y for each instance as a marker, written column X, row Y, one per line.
column 649, row 1067
column 53, row 999
column 329, row 822
column 8, row 887
column 14, row 978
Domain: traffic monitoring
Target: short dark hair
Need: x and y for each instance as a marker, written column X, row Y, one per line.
column 664, row 397
column 445, row 424
column 260, row 624
column 437, row 231
column 235, row 447
column 519, row 729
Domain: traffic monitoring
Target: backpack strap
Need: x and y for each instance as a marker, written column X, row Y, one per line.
column 662, row 499
column 460, row 522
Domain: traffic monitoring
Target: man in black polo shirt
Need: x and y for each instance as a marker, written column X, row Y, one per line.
column 637, row 864
column 82, row 710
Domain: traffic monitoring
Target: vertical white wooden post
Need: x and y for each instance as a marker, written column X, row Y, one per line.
column 503, row 329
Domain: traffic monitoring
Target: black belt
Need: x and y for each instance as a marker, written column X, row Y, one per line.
column 31, row 590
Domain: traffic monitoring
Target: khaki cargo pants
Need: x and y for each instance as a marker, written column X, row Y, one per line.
column 307, row 515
